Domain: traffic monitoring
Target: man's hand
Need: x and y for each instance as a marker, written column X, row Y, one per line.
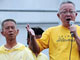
column 31, row 32
column 73, row 30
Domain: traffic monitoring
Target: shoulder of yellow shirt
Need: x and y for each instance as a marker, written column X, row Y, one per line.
column 4, row 50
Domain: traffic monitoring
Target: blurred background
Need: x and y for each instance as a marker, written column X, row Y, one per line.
column 42, row 13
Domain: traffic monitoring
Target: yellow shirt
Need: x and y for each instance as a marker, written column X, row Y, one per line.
column 18, row 52
column 40, row 56
column 58, row 40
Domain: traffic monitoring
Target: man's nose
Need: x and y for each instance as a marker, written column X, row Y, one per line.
column 10, row 29
column 68, row 13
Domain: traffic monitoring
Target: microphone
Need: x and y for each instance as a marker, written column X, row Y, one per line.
column 71, row 23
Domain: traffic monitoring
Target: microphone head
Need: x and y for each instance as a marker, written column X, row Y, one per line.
column 71, row 23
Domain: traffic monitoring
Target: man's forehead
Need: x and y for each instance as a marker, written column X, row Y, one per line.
column 67, row 5
column 9, row 23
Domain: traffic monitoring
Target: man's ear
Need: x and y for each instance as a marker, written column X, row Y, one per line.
column 2, row 33
column 17, row 31
column 58, row 15
column 76, row 14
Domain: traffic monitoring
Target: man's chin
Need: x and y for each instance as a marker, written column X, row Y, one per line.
column 11, row 38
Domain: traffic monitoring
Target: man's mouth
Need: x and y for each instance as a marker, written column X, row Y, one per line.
column 11, row 34
column 68, row 19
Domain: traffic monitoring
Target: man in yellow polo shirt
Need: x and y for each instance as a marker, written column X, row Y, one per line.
column 38, row 32
column 62, row 46
column 12, row 50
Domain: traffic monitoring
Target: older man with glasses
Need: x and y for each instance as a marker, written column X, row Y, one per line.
column 62, row 46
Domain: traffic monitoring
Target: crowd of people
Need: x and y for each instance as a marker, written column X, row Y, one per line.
column 62, row 45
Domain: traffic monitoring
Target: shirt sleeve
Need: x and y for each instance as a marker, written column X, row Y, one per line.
column 43, row 42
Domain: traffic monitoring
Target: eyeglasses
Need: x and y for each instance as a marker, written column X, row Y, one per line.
column 65, row 12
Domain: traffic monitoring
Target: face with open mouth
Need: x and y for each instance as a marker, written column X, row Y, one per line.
column 66, row 14
column 9, row 30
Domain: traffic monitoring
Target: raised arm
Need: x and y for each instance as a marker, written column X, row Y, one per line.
column 35, row 48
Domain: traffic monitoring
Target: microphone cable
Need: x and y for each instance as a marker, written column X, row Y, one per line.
column 71, row 47
column 72, row 35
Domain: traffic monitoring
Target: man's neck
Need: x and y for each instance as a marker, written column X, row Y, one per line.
column 66, row 26
column 10, row 44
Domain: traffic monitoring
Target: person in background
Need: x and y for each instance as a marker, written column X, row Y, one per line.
column 61, row 44
column 38, row 33
column 12, row 50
